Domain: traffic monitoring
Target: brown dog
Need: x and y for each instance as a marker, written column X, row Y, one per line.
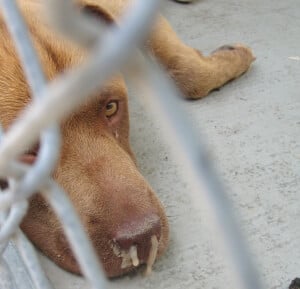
column 120, row 211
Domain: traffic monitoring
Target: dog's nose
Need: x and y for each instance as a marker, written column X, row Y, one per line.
column 136, row 240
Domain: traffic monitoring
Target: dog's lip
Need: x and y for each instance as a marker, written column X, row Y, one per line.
column 30, row 156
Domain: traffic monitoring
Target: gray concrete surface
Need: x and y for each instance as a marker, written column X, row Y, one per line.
column 252, row 128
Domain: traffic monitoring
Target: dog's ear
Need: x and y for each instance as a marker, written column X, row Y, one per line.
column 98, row 12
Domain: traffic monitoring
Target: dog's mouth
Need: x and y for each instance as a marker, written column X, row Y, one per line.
column 30, row 156
column 130, row 258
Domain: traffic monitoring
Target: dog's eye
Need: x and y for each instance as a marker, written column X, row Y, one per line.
column 111, row 108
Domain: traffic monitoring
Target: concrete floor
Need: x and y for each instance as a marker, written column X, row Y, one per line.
column 252, row 127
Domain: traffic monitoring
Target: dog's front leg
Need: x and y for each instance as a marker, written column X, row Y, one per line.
column 195, row 74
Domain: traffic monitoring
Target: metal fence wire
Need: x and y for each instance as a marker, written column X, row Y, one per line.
column 109, row 48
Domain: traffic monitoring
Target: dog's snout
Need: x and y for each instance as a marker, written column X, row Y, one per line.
column 135, row 238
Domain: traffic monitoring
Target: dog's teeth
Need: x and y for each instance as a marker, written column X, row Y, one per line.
column 152, row 255
column 133, row 255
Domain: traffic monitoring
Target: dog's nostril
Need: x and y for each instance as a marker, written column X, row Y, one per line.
column 136, row 240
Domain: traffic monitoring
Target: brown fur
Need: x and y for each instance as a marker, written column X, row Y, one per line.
column 97, row 167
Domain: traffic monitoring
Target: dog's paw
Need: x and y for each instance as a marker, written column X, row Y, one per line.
column 197, row 75
column 240, row 54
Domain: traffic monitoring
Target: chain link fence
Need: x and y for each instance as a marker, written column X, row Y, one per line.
column 51, row 102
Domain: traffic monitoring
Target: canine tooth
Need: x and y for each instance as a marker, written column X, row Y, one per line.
column 133, row 255
column 152, row 255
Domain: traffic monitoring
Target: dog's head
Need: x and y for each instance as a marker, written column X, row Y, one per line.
column 121, row 213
